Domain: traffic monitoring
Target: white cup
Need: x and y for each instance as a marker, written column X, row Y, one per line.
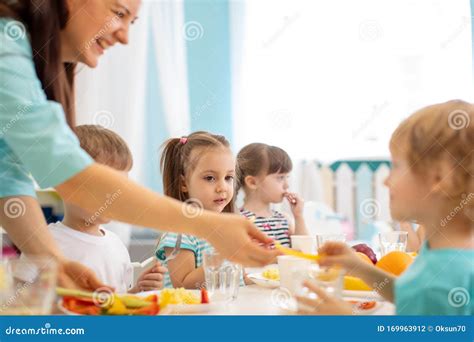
column 304, row 243
column 321, row 239
column 293, row 271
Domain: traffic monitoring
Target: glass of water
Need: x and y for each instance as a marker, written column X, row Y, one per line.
column 393, row 241
column 321, row 239
column 331, row 279
column 222, row 277
column 27, row 286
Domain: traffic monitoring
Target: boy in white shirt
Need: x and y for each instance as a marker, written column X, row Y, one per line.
column 80, row 235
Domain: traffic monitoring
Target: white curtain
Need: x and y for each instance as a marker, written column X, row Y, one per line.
column 112, row 95
column 330, row 80
column 168, row 26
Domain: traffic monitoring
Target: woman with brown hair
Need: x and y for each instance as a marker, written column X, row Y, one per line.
column 40, row 44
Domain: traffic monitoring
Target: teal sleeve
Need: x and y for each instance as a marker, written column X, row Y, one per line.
column 34, row 136
column 187, row 242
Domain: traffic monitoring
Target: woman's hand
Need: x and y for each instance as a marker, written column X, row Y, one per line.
column 238, row 240
column 325, row 304
column 74, row 275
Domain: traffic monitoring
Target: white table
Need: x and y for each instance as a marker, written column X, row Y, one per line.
column 256, row 300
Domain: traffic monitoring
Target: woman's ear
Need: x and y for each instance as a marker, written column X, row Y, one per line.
column 183, row 186
column 250, row 182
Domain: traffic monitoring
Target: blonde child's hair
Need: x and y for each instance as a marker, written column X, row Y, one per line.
column 438, row 133
column 176, row 161
column 105, row 146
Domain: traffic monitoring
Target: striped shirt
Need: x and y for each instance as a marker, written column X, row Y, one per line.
column 276, row 226
column 196, row 245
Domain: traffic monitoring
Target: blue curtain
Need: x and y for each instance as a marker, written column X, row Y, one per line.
column 209, row 70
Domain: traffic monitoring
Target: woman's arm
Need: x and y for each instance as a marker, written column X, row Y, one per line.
column 183, row 271
column 100, row 189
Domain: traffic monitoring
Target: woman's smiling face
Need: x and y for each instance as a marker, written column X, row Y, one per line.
column 95, row 25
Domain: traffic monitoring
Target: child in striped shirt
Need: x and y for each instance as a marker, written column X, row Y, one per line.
column 263, row 172
column 198, row 170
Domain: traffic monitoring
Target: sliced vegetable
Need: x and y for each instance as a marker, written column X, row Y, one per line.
column 117, row 307
column 204, row 296
column 152, row 309
column 367, row 305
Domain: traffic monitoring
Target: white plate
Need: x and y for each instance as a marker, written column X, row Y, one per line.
column 367, row 295
column 181, row 309
column 260, row 280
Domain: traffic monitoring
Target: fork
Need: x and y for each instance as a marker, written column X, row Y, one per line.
column 174, row 253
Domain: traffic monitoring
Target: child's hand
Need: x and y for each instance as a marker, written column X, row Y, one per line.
column 296, row 204
column 151, row 279
column 338, row 253
column 325, row 304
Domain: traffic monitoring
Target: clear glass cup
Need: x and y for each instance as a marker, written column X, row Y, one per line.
column 222, row 277
column 393, row 241
column 330, row 279
column 27, row 286
column 293, row 271
column 304, row 243
column 321, row 239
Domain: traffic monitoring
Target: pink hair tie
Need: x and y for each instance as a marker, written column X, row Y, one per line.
column 183, row 140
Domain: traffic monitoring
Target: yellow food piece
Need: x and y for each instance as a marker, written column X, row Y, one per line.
column 178, row 296
column 298, row 254
column 117, row 307
column 355, row 284
column 134, row 302
column 271, row 273
column 329, row 274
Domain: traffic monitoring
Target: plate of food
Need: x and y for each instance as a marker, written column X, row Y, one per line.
column 167, row 301
column 269, row 277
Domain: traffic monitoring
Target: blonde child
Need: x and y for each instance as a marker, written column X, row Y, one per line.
column 430, row 183
column 81, row 236
column 200, row 170
column 263, row 172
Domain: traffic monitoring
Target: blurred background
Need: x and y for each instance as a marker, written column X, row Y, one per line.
column 326, row 80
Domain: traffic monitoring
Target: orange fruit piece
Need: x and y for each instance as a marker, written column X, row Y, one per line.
column 395, row 262
column 364, row 257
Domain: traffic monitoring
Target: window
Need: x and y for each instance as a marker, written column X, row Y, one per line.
column 332, row 79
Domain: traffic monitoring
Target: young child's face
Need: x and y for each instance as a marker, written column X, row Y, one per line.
column 409, row 193
column 91, row 218
column 212, row 179
column 272, row 188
